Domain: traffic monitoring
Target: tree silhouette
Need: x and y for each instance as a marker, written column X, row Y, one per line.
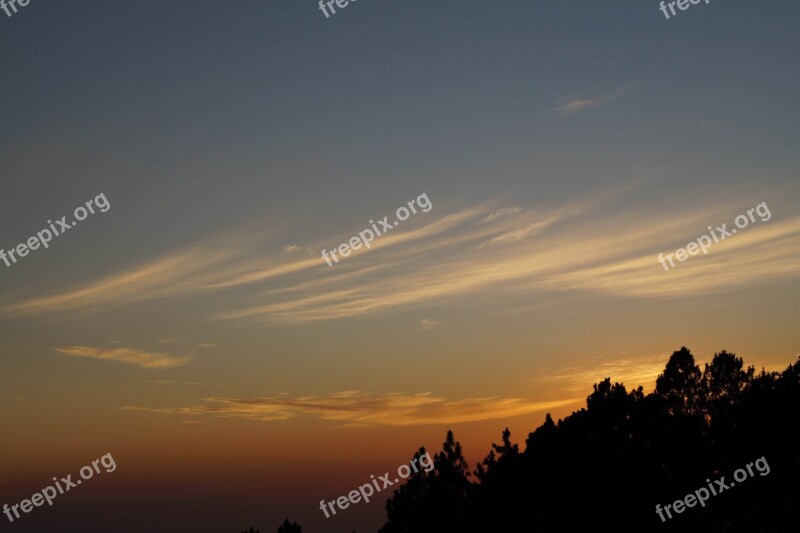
column 609, row 464
column 681, row 384
column 726, row 377
column 411, row 506
column 432, row 501
column 290, row 528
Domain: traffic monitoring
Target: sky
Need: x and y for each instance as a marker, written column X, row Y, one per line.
column 193, row 329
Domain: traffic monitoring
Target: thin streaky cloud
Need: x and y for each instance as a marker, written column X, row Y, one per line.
column 476, row 251
column 616, row 257
column 125, row 355
column 354, row 408
column 265, row 274
column 537, row 223
column 157, row 382
column 383, row 241
column 502, row 212
column 576, row 105
column 216, row 265
column 176, row 274
column 428, row 324
column 630, row 371
column 341, row 276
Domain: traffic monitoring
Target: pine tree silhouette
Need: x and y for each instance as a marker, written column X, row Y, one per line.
column 607, row 465
column 290, row 527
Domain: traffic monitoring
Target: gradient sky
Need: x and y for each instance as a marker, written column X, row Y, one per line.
column 194, row 331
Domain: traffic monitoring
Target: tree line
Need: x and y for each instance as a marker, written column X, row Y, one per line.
column 609, row 464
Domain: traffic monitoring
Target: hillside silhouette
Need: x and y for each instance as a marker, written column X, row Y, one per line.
column 609, row 464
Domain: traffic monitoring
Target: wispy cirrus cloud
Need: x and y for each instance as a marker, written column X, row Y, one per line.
column 175, row 274
column 576, row 104
column 158, row 382
column 569, row 252
column 631, row 371
column 428, row 324
column 125, row 355
column 355, row 408
column 530, row 223
column 476, row 251
column 502, row 212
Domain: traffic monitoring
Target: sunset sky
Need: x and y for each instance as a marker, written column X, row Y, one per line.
column 194, row 331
